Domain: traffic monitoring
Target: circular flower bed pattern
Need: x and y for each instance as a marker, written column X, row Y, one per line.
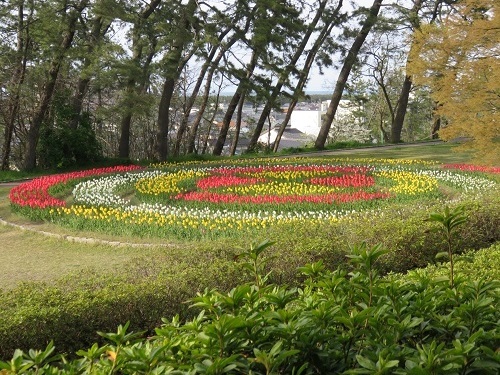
column 207, row 199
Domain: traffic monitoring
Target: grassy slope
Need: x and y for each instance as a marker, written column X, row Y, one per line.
column 28, row 256
column 441, row 152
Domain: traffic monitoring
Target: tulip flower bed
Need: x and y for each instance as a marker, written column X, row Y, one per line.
column 193, row 200
column 34, row 197
column 35, row 193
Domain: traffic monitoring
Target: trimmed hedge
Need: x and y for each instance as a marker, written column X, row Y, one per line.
column 334, row 322
column 73, row 309
column 472, row 265
column 402, row 230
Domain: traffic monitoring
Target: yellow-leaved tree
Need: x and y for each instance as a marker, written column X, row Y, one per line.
column 459, row 60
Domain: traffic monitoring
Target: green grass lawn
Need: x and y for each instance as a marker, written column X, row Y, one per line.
column 33, row 257
column 445, row 153
column 30, row 256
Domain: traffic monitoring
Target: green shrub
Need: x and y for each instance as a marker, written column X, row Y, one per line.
column 338, row 145
column 62, row 146
column 472, row 265
column 336, row 322
column 75, row 308
column 71, row 311
column 403, row 230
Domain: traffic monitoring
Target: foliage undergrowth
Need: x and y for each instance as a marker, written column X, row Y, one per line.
column 71, row 311
column 16, row 175
column 278, row 303
column 404, row 231
column 349, row 320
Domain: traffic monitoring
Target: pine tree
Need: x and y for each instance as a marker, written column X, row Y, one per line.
column 17, row 58
column 181, row 38
column 69, row 18
column 349, row 61
column 143, row 51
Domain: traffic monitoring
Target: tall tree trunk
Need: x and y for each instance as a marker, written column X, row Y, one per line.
column 436, row 122
column 402, row 103
column 344, row 73
column 206, row 91
column 239, row 115
column 48, row 91
column 17, row 81
column 124, row 141
column 240, row 90
column 266, row 111
column 436, row 125
column 385, row 136
column 164, row 119
column 175, row 65
column 285, row 75
column 211, row 122
column 131, row 87
column 190, row 103
column 226, row 122
column 284, row 124
column 126, row 120
column 399, row 118
column 199, row 116
column 387, row 99
column 301, row 83
column 9, row 126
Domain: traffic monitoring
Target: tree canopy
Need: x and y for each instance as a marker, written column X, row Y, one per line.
column 80, row 79
column 459, row 60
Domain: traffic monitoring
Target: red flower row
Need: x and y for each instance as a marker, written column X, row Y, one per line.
column 35, row 193
column 207, row 196
column 347, row 180
column 213, row 182
column 472, row 168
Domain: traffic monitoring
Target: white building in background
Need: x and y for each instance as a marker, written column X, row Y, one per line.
column 309, row 121
column 305, row 125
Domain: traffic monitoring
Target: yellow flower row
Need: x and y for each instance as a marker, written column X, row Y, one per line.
column 168, row 183
column 406, row 182
column 138, row 217
column 373, row 161
column 290, row 174
column 409, row 183
column 281, row 188
column 218, row 162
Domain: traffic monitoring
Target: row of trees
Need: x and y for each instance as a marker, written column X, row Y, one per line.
column 143, row 79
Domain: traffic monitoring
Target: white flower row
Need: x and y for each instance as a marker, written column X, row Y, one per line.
column 102, row 191
column 207, row 213
column 465, row 182
column 468, row 183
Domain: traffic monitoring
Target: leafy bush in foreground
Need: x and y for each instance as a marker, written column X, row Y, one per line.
column 70, row 312
column 336, row 322
column 473, row 265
